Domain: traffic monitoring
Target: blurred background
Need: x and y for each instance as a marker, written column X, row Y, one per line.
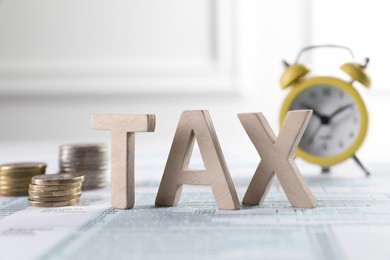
column 63, row 60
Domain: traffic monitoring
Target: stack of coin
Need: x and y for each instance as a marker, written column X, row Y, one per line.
column 88, row 159
column 55, row 190
column 15, row 177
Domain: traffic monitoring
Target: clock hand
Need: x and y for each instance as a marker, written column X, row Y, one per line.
column 315, row 112
column 324, row 119
column 341, row 109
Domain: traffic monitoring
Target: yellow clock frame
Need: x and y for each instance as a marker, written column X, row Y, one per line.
column 304, row 84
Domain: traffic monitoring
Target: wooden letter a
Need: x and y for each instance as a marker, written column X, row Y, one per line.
column 196, row 124
column 277, row 158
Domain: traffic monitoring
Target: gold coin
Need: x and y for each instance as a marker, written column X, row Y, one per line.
column 17, row 173
column 21, row 174
column 14, row 186
column 15, row 182
column 55, row 187
column 54, row 193
column 14, row 192
column 22, row 167
column 22, row 171
column 21, row 187
column 57, row 179
column 55, row 198
column 9, row 186
column 17, row 178
column 53, row 204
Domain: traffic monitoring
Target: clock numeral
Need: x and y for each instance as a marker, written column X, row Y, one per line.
column 341, row 144
column 313, row 95
column 324, row 146
column 326, row 91
column 352, row 134
column 325, row 137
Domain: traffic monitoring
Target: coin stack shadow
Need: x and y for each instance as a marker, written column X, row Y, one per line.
column 55, row 190
column 87, row 159
column 15, row 177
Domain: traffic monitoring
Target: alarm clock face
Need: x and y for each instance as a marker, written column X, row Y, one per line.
column 339, row 121
column 335, row 122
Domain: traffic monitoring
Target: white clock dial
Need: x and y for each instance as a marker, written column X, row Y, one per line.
column 335, row 123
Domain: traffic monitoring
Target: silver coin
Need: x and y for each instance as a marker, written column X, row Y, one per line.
column 81, row 159
column 94, row 186
column 94, row 176
column 83, row 169
column 83, row 146
column 86, row 152
column 82, row 163
column 87, row 159
column 94, row 182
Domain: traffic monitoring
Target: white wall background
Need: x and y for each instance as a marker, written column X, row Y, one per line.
column 61, row 61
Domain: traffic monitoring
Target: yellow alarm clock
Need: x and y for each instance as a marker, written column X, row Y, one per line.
column 339, row 122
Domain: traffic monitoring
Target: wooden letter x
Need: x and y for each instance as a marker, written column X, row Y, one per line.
column 277, row 158
column 196, row 124
column 123, row 128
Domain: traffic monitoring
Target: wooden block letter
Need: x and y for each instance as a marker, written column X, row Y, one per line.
column 196, row 124
column 123, row 128
column 277, row 158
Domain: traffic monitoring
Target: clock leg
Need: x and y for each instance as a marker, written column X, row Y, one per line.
column 325, row 170
column 366, row 171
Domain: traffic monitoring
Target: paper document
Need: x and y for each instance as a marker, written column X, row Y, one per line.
column 352, row 221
